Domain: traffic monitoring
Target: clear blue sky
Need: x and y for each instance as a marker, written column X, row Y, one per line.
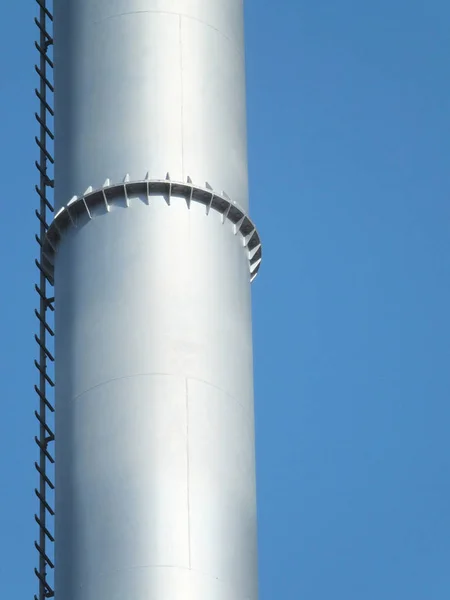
column 349, row 144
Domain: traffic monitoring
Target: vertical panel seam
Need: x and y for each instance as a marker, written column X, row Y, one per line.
column 182, row 97
column 188, row 471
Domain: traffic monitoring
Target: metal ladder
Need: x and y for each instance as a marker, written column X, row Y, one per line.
column 44, row 313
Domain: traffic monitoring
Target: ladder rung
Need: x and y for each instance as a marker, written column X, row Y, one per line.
column 44, row 450
column 44, row 476
column 44, row 323
column 45, row 9
column 44, row 529
column 45, row 503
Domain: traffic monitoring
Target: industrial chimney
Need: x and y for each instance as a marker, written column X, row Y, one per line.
column 152, row 253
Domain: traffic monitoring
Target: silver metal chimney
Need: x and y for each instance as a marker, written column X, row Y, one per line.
column 152, row 253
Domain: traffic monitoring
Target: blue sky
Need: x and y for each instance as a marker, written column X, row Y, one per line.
column 349, row 149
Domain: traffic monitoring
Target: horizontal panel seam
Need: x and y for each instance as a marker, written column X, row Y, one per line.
column 156, row 566
column 178, row 14
column 181, row 377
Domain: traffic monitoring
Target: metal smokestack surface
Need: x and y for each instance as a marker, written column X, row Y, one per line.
column 153, row 255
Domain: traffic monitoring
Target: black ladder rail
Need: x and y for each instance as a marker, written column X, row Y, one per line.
column 45, row 334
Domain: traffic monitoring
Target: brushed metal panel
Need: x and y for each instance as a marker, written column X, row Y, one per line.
column 122, row 480
column 222, row 490
column 159, row 583
column 154, row 289
column 158, row 89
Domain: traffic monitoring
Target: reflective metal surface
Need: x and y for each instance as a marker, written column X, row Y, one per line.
column 150, row 85
column 155, row 472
